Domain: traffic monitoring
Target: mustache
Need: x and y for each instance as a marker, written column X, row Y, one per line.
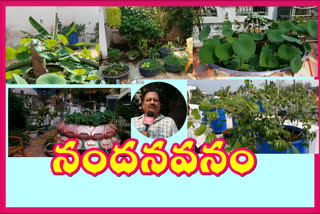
column 152, row 105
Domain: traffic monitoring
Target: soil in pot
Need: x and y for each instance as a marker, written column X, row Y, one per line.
column 149, row 67
column 116, row 71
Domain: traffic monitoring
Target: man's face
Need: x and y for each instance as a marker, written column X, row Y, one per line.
column 151, row 103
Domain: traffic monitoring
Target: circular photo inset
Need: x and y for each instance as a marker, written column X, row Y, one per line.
column 160, row 110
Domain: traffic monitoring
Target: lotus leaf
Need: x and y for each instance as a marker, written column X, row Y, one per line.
column 224, row 51
column 203, row 35
column 296, row 64
column 285, row 26
column 50, row 79
column 244, row 47
column 312, row 28
column 275, row 36
column 286, row 52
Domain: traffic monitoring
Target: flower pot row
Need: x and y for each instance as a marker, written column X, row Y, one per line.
column 102, row 136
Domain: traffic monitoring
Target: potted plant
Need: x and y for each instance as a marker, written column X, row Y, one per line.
column 264, row 131
column 166, row 50
column 32, row 130
column 48, row 54
column 143, row 47
column 92, row 129
column 174, row 63
column 113, row 55
column 133, row 54
column 149, row 67
column 115, row 71
column 279, row 47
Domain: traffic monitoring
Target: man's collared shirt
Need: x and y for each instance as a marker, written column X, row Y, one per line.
column 162, row 127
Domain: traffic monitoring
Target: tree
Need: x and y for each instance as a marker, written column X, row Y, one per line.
column 196, row 96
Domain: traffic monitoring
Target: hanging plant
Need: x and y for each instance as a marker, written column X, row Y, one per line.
column 113, row 17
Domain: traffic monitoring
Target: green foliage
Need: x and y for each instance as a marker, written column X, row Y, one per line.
column 89, row 118
column 174, row 60
column 42, row 114
column 51, row 48
column 277, row 47
column 150, row 64
column 280, row 105
column 113, row 55
column 113, row 17
column 181, row 17
column 137, row 23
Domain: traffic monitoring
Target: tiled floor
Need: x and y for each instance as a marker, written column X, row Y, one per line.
column 36, row 145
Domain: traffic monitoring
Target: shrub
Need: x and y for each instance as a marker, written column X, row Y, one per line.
column 174, row 60
column 137, row 24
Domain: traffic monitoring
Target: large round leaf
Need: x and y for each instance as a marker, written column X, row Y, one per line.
column 275, row 36
column 286, row 52
column 292, row 39
column 50, row 79
column 244, row 47
column 224, row 51
column 257, row 36
column 285, row 26
column 301, row 28
column 312, row 28
column 267, row 58
column 203, row 35
column 227, row 24
column 296, row 64
column 227, row 31
column 206, row 52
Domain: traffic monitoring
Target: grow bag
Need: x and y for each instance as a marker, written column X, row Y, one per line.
column 220, row 124
column 265, row 148
column 102, row 136
column 165, row 52
column 147, row 72
column 251, row 73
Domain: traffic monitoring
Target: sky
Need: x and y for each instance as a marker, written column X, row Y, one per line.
column 210, row 86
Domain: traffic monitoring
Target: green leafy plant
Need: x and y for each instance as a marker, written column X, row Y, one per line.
column 133, row 53
column 150, row 64
column 253, row 125
column 115, row 69
column 113, row 55
column 113, row 17
column 279, row 46
column 30, row 127
column 137, row 23
column 41, row 116
column 89, row 117
column 50, row 47
column 154, row 53
column 174, row 60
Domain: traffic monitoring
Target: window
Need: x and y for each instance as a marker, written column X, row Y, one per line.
column 209, row 11
column 243, row 11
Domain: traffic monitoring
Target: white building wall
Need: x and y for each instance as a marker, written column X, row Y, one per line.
column 17, row 19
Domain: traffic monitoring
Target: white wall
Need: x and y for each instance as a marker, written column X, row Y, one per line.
column 17, row 19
